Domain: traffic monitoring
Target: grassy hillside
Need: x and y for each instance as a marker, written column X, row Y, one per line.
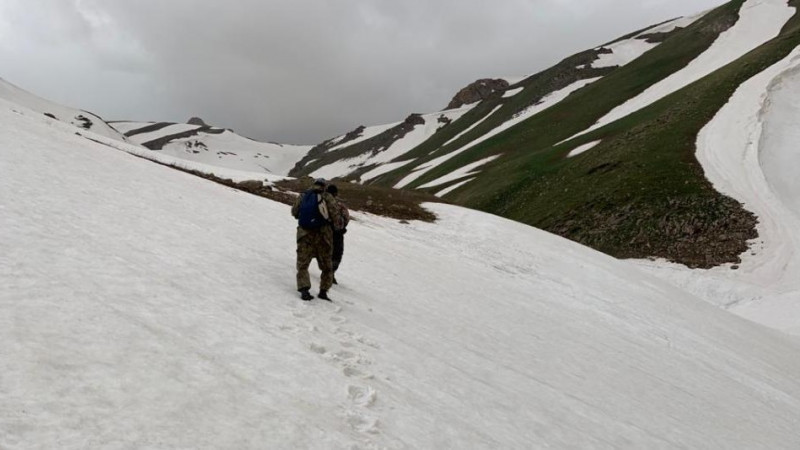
column 640, row 192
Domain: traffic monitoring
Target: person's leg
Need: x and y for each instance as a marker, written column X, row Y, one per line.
column 325, row 260
column 338, row 250
column 305, row 251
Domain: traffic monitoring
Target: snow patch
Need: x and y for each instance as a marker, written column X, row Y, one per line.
column 462, row 172
column 583, row 148
column 512, row 92
column 452, row 188
column 623, row 52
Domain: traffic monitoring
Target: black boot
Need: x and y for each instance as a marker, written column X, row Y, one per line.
column 324, row 295
column 305, row 295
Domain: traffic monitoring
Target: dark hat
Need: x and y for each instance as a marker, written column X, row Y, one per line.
column 333, row 190
column 320, row 181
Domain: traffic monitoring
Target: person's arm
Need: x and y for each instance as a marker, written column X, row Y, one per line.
column 331, row 204
column 296, row 206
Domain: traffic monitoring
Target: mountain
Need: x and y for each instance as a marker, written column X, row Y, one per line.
column 599, row 148
column 142, row 307
column 199, row 143
column 85, row 120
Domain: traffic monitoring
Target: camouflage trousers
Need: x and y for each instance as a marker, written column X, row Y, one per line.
column 315, row 244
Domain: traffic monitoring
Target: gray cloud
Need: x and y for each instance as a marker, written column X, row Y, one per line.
column 295, row 71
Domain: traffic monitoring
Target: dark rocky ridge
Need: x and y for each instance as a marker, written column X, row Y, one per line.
column 158, row 144
column 477, row 91
column 373, row 145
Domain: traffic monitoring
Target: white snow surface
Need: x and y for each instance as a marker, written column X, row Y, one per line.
column 627, row 50
column 227, row 151
column 385, row 168
column 452, row 188
column 547, row 101
column 583, row 148
column 397, row 149
column 749, row 152
column 143, row 307
column 461, row 172
column 759, row 21
column 512, row 92
column 24, row 99
column 623, row 52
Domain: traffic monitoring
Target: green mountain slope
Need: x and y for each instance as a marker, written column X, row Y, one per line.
column 640, row 192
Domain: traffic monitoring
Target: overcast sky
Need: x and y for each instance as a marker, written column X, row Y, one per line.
column 295, row 71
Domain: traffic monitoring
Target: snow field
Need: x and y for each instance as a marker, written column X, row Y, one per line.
column 23, row 99
column 226, row 152
column 133, row 317
column 749, row 152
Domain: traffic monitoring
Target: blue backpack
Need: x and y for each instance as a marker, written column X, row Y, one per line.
column 310, row 216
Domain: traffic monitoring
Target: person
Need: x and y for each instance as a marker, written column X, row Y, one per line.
column 313, row 210
column 339, row 222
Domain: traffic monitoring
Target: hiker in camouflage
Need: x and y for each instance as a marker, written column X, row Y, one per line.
column 339, row 223
column 315, row 237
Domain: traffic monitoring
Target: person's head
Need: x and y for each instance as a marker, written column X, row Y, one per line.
column 319, row 184
column 333, row 190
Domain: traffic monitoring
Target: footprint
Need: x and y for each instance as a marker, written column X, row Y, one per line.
column 362, row 396
column 367, row 342
column 319, row 349
column 353, row 372
column 345, row 355
column 300, row 314
column 362, row 423
column 338, row 319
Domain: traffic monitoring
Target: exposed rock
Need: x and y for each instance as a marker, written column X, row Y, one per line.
column 477, row 91
column 158, row 144
column 250, row 185
column 197, row 121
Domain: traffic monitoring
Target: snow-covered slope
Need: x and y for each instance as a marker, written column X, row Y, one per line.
column 759, row 21
column 397, row 148
column 216, row 147
column 82, row 119
column 749, row 151
column 143, row 307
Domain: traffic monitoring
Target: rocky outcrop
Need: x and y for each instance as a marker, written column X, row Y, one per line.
column 158, row 144
column 477, row 91
column 197, row 121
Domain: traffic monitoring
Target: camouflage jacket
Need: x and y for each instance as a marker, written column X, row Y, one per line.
column 328, row 208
